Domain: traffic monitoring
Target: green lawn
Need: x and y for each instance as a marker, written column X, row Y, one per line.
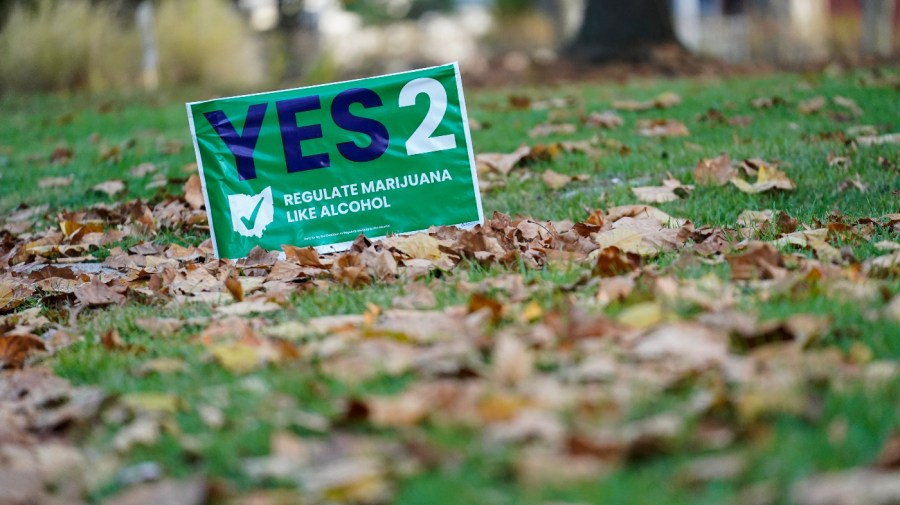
column 777, row 409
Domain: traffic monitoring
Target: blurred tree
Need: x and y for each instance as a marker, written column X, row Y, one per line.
column 613, row 29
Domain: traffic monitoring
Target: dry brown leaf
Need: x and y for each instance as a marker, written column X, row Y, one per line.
column 877, row 140
column 664, row 100
column 237, row 358
column 305, row 256
column 233, row 285
column 758, row 260
column 143, row 169
column 662, row 128
column 13, row 294
column 644, row 236
column 349, row 269
column 555, row 180
column 512, row 361
column 811, row 106
column 193, row 192
column 162, row 366
column 417, row 246
column 605, row 119
column 671, row 190
column 714, row 171
column 612, row 262
column 55, row 182
column 687, row 344
column 111, row 340
column 889, row 457
column 500, row 162
column 14, row 349
column 768, row 177
column 860, row 486
column 97, row 293
column 847, row 103
column 61, row 155
column 111, row 187
column 767, row 102
column 170, row 491
column 545, row 129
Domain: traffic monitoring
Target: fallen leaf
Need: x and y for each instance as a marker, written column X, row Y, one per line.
column 768, row 177
column 234, row 287
column 61, row 155
column 555, row 180
column 418, row 245
column 759, row 260
column 143, row 169
column 545, row 129
column 606, row 119
column 855, row 486
column 13, row 294
column 889, row 457
column 97, row 293
column 512, row 361
column 671, row 190
column 149, row 402
column 641, row 315
column 688, row 344
column 499, row 162
column 111, row 340
column 237, row 358
column 877, row 140
column 811, row 106
column 55, row 182
column 714, row 171
column 15, row 349
column 847, row 103
column 767, row 102
column 854, row 183
column 664, row 100
column 168, row 491
column 111, row 187
column 662, row 128
column 162, row 366
column 193, row 192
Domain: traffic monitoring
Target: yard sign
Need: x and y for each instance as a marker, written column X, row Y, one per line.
column 317, row 166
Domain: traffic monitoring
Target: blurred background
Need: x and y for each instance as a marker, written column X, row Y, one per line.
column 48, row 45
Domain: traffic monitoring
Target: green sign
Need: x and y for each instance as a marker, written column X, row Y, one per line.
column 317, row 166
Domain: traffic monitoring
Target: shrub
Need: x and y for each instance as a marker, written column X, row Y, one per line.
column 206, row 41
column 79, row 44
column 66, row 45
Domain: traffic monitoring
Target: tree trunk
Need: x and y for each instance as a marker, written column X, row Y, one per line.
column 623, row 30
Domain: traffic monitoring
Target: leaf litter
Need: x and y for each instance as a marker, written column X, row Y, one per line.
column 554, row 382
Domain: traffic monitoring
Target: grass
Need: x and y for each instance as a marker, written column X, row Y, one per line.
column 788, row 448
